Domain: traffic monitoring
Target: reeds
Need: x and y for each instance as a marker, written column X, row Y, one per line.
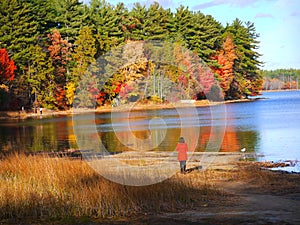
column 42, row 187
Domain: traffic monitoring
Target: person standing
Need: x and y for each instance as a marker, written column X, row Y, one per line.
column 182, row 149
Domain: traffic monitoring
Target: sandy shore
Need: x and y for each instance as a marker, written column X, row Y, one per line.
column 105, row 109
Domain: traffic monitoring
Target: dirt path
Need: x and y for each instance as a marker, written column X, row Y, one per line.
column 255, row 207
column 249, row 202
column 249, row 205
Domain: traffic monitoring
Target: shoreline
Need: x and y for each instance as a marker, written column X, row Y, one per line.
column 280, row 90
column 27, row 114
column 205, row 160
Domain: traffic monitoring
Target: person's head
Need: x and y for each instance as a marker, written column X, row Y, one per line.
column 181, row 140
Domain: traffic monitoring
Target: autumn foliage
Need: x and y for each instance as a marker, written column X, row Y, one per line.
column 60, row 53
column 225, row 58
column 53, row 45
column 7, row 67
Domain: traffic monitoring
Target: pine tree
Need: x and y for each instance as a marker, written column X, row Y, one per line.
column 198, row 32
column 155, row 23
column 107, row 23
column 83, row 55
column 133, row 23
column 184, row 25
column 18, row 30
column 44, row 14
column 70, row 16
column 247, row 79
column 40, row 78
column 207, row 37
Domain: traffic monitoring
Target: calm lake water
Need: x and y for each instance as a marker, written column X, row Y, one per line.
column 269, row 126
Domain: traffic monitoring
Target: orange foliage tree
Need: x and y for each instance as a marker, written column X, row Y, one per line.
column 225, row 58
column 59, row 51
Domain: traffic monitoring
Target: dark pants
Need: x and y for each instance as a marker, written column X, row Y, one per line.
column 182, row 166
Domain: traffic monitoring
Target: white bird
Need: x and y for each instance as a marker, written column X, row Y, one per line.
column 243, row 151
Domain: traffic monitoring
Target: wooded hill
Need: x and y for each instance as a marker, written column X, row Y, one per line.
column 47, row 45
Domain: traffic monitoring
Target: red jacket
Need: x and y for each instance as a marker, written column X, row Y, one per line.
column 182, row 150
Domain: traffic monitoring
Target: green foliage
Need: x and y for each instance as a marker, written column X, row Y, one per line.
column 18, row 30
column 40, row 77
column 70, row 16
column 248, row 80
column 106, row 22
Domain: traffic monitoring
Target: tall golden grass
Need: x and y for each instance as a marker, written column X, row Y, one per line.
column 43, row 187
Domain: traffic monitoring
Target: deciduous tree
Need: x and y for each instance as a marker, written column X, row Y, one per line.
column 60, row 52
column 225, row 58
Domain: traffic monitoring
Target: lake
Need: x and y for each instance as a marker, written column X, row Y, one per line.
column 269, row 126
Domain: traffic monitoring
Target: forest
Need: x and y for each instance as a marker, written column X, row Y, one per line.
column 46, row 47
column 281, row 79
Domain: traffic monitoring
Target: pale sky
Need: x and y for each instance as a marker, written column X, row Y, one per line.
column 277, row 22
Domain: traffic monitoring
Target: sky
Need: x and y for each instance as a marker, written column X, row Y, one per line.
column 276, row 21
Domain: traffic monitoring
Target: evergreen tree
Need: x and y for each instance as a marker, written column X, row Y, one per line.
column 134, row 25
column 70, row 16
column 200, row 33
column 40, row 78
column 155, row 23
column 44, row 15
column 184, row 27
column 83, row 55
column 248, row 81
column 207, row 37
column 18, row 30
column 106, row 22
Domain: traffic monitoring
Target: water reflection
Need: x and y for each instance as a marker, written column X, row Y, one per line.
column 56, row 134
column 269, row 126
column 37, row 135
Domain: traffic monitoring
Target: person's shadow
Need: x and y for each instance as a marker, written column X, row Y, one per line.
column 197, row 168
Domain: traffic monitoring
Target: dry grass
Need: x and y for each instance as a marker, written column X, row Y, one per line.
column 42, row 187
column 266, row 180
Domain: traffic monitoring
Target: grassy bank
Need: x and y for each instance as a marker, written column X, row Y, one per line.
column 54, row 188
column 39, row 189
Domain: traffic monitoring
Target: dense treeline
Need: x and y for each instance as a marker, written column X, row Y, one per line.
column 47, row 45
column 281, row 79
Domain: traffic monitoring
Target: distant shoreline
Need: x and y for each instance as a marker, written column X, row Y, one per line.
column 280, row 90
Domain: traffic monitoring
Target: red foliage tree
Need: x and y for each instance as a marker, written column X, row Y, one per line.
column 194, row 76
column 7, row 67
